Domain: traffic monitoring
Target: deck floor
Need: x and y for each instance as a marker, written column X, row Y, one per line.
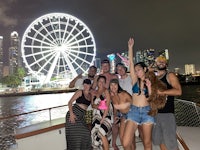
column 139, row 145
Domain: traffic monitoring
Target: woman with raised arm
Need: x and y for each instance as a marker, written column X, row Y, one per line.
column 138, row 113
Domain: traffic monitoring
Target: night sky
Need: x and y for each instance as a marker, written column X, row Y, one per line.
column 172, row 25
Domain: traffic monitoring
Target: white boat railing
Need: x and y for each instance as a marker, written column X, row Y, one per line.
column 187, row 113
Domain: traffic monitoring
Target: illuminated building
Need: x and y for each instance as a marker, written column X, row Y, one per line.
column 97, row 63
column 146, row 56
column 111, row 58
column 189, row 69
column 14, row 52
column 1, row 56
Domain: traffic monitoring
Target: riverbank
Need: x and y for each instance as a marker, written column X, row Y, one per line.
column 37, row 92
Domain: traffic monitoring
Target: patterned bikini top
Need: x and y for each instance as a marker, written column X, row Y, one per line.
column 135, row 89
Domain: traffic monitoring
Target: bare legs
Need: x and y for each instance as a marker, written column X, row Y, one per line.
column 128, row 136
column 105, row 142
column 147, row 141
column 115, row 131
column 129, row 132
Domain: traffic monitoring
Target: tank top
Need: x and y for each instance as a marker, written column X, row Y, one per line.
column 169, row 106
column 82, row 100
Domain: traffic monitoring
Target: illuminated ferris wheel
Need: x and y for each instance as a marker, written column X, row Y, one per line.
column 56, row 44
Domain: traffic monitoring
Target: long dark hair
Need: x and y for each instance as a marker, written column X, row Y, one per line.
column 144, row 66
column 116, row 81
column 101, row 76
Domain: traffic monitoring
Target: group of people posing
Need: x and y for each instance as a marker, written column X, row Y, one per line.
column 130, row 100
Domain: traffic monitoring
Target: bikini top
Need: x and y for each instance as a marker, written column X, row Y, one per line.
column 82, row 100
column 135, row 89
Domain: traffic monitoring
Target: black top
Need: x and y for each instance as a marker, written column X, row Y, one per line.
column 82, row 100
column 169, row 106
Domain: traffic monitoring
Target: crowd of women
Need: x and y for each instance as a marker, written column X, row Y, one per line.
column 128, row 100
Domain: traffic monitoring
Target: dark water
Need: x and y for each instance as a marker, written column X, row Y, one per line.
column 24, row 104
column 191, row 93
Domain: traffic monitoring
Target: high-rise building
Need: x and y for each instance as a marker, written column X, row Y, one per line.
column 1, row 56
column 15, row 59
column 189, row 69
column 97, row 63
column 177, row 71
column 146, row 56
column 112, row 59
column 138, row 56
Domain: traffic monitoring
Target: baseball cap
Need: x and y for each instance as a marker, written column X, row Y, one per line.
column 161, row 58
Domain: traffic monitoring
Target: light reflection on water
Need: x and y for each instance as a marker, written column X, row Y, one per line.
column 23, row 104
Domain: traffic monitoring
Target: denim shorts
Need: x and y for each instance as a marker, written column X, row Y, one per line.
column 140, row 115
column 122, row 115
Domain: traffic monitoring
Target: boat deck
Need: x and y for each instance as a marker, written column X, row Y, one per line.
column 53, row 131
column 189, row 135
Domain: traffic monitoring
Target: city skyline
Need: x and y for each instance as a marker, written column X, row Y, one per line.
column 157, row 25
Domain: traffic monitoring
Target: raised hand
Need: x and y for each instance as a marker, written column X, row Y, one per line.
column 130, row 43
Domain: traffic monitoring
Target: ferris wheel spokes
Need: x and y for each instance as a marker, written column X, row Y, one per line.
column 52, row 38
column 38, row 53
column 82, row 60
column 42, row 58
column 74, row 73
column 80, row 52
column 45, row 37
column 65, row 31
column 70, row 33
column 78, row 41
column 46, row 63
column 53, row 65
column 40, row 41
column 75, row 36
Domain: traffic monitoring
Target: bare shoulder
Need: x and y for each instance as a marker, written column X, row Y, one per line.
column 115, row 76
column 172, row 78
column 125, row 94
column 79, row 92
column 171, row 74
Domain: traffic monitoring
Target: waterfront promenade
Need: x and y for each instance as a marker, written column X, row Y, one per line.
column 38, row 92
